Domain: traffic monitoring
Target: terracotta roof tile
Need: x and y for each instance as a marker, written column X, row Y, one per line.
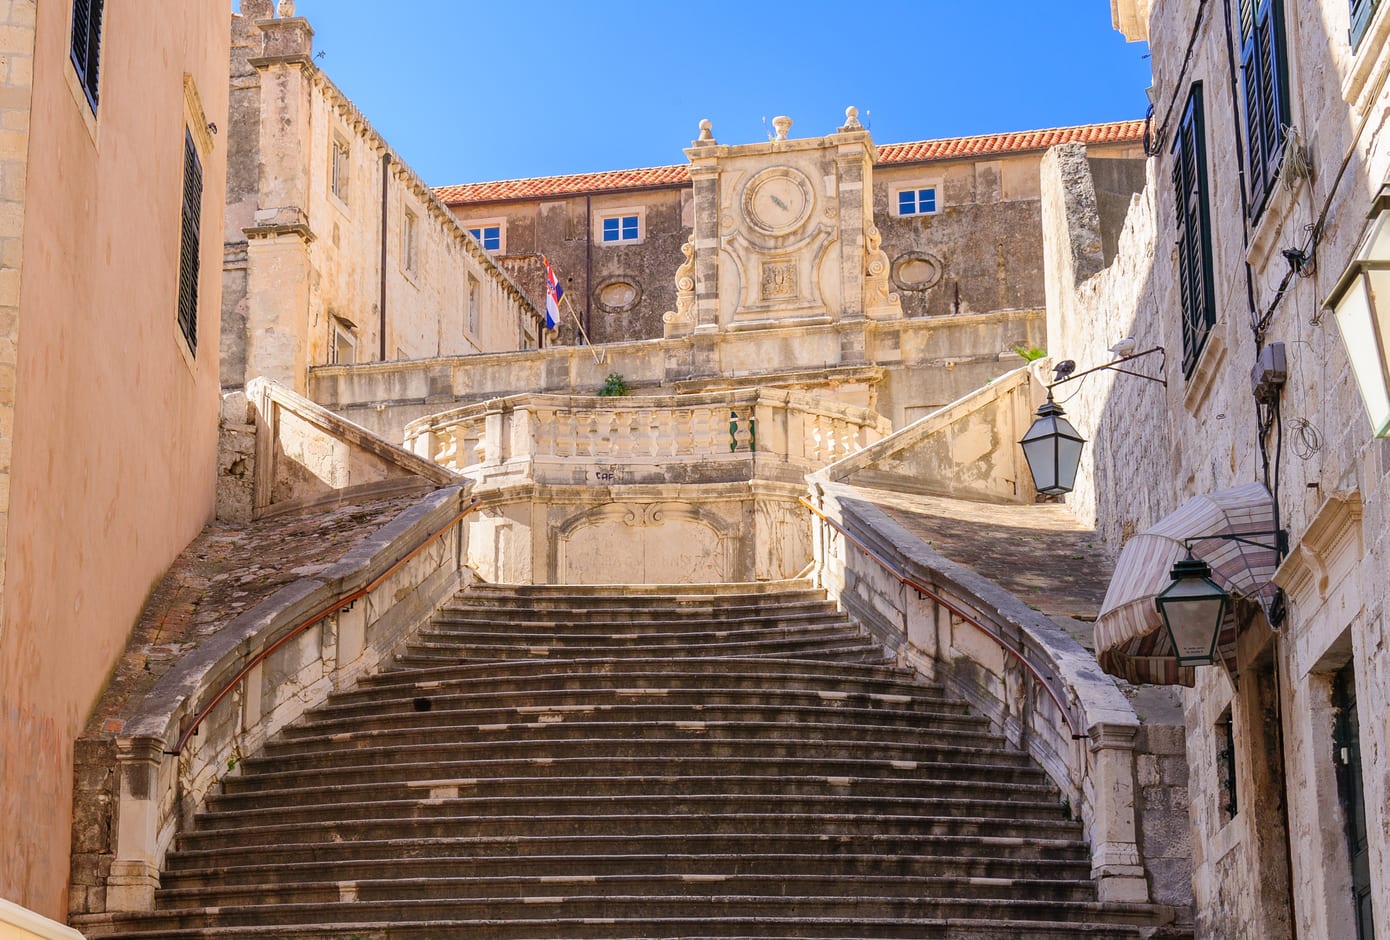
column 1016, row 142
column 679, row 175
column 577, row 183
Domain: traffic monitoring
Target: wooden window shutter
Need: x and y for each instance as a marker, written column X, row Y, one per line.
column 188, row 242
column 1194, row 231
column 86, row 45
column 1361, row 12
column 1266, row 101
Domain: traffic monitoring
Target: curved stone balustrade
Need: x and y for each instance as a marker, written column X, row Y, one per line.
column 709, row 437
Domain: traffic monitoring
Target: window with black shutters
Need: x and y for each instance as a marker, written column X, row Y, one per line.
column 188, row 242
column 1194, row 231
column 1264, row 78
column 86, row 45
column 1361, row 13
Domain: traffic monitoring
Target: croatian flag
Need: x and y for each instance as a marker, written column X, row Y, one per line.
column 553, row 293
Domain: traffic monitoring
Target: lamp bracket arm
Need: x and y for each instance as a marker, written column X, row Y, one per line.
column 1279, row 536
column 1112, row 367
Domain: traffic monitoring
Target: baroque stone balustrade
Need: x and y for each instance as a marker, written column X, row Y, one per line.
column 709, row 437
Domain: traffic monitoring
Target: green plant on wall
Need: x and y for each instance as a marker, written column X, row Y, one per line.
column 615, row 386
column 1029, row 353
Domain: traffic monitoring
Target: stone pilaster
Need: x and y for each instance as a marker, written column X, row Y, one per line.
column 1116, row 865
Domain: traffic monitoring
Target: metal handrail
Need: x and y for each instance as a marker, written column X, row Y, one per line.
column 334, row 607
column 925, row 591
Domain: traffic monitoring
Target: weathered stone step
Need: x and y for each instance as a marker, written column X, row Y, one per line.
column 605, row 765
column 566, row 689
column 662, row 595
column 562, row 636
column 555, row 728
column 445, row 819
column 640, row 910
column 794, row 647
column 752, row 673
column 520, row 744
column 252, row 795
column 406, row 718
column 454, row 802
column 695, row 928
column 945, row 869
column 1037, row 852
column 644, row 619
column 656, row 886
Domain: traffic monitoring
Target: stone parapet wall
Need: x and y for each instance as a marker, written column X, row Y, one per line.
column 1073, row 719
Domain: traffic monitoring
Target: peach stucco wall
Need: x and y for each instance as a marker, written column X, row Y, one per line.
column 115, row 426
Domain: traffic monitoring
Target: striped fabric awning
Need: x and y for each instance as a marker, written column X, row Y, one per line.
column 1131, row 641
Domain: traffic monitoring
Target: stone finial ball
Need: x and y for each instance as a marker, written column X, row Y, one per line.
column 850, row 114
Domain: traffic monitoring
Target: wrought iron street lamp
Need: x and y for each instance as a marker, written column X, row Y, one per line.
column 1361, row 305
column 1052, row 446
column 1053, row 450
column 1193, row 609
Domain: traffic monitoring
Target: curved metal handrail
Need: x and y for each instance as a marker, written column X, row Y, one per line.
column 925, row 591
column 314, row 618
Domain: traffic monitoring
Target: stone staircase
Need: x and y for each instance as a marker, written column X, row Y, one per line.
column 697, row 762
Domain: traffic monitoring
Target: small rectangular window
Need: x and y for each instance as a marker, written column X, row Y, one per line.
column 489, row 236
column 408, row 226
column 190, row 222
column 86, row 46
column 474, row 289
column 622, row 228
column 344, row 349
column 340, row 168
column 1226, row 765
column 917, row 201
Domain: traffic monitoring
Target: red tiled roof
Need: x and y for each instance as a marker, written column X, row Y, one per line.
column 1016, row 142
column 577, row 183
column 949, row 148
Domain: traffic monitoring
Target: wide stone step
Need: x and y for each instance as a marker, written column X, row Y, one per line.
column 563, row 636
column 446, row 803
column 982, row 874
column 1036, row 851
column 446, row 818
column 697, row 928
column 752, row 673
column 640, row 910
column 254, row 793
column 557, row 727
column 404, row 717
column 569, row 690
column 656, row 886
column 630, row 595
column 834, row 644
column 518, row 744
column 642, row 619
column 1006, row 771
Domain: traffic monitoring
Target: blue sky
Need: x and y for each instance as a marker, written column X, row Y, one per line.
column 469, row 91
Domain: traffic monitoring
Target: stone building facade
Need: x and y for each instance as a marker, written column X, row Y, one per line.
column 958, row 220
column 336, row 252
column 112, row 159
column 1267, row 151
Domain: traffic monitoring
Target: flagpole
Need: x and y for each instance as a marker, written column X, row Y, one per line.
column 598, row 354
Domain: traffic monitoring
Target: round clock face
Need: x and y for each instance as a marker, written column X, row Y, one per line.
column 777, row 200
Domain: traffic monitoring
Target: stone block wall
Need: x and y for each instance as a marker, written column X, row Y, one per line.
column 1152, row 448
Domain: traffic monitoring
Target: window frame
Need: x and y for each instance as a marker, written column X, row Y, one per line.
column 88, row 16
column 618, row 215
column 1265, row 98
column 478, row 229
column 410, row 241
column 342, row 332
column 190, row 241
column 1193, row 210
column 916, row 190
column 339, row 168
